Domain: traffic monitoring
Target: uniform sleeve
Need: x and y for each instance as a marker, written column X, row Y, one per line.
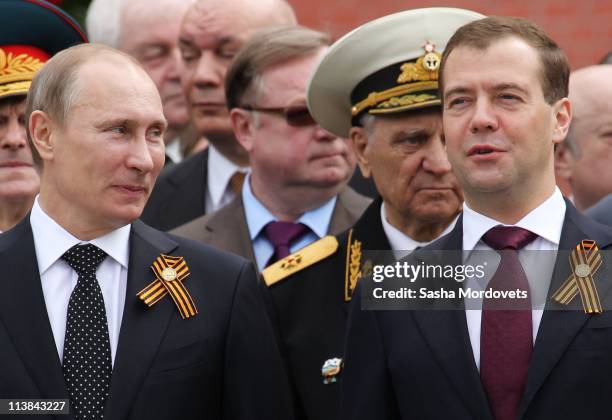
column 367, row 391
column 255, row 384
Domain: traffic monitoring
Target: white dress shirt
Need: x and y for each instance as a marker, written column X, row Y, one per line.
column 546, row 221
column 399, row 241
column 220, row 171
column 173, row 150
column 58, row 279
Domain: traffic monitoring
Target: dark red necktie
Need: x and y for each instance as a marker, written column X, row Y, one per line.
column 506, row 336
column 281, row 235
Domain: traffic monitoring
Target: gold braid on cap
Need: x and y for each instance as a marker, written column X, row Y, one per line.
column 17, row 72
column 415, row 77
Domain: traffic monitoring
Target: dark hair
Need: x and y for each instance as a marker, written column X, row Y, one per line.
column 265, row 49
column 480, row 34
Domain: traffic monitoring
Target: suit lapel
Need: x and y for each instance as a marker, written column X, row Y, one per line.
column 24, row 314
column 559, row 327
column 447, row 335
column 142, row 328
column 227, row 229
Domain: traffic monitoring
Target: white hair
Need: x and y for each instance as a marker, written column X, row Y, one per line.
column 103, row 22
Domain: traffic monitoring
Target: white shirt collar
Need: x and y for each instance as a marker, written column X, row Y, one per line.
column 399, row 241
column 173, row 150
column 47, row 231
column 546, row 221
column 220, row 170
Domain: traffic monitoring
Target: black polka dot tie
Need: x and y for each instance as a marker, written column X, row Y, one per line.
column 87, row 354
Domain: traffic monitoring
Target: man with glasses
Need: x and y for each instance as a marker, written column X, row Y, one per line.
column 296, row 192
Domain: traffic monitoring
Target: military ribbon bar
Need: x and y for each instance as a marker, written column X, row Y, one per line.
column 585, row 260
column 169, row 272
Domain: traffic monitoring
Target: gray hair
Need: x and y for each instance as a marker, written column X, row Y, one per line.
column 55, row 90
column 367, row 121
column 103, row 21
column 265, row 49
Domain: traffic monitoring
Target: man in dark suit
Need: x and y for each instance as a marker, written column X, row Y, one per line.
column 299, row 170
column 402, row 149
column 504, row 87
column 208, row 180
column 98, row 308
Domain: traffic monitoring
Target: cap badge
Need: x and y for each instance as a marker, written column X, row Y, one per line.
column 425, row 68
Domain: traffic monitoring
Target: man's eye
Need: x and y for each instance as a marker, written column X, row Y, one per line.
column 509, row 97
column 156, row 133
column 457, row 102
column 189, row 55
column 118, row 130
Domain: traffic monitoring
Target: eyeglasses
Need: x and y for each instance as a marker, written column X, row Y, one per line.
column 295, row 115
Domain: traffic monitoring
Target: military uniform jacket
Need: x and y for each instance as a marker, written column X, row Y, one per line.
column 310, row 308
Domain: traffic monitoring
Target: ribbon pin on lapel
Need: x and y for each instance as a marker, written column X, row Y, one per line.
column 169, row 272
column 585, row 260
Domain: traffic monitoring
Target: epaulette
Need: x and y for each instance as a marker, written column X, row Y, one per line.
column 299, row 260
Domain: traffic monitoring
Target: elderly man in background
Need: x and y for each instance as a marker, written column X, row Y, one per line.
column 125, row 321
column 297, row 190
column 148, row 30
column 381, row 93
column 49, row 30
column 584, row 159
column 211, row 34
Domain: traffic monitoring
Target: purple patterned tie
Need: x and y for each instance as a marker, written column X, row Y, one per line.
column 282, row 235
column 506, row 340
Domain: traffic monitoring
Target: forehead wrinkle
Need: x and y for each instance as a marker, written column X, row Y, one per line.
column 214, row 16
column 133, row 87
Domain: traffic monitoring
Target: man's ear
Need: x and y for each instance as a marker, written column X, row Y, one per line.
column 562, row 118
column 359, row 139
column 41, row 129
column 564, row 161
column 243, row 123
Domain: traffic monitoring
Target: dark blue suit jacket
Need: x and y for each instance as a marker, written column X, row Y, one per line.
column 221, row 363
column 419, row 364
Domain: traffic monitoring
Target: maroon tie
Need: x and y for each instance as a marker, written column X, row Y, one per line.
column 506, row 340
column 281, row 235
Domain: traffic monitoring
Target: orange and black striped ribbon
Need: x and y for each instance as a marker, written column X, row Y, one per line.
column 586, row 253
column 155, row 291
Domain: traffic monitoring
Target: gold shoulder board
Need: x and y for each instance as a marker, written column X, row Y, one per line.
column 299, row 260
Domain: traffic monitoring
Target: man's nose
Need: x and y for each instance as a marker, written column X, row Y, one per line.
column 209, row 71
column 483, row 119
column 14, row 136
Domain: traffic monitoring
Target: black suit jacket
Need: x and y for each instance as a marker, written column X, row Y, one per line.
column 179, row 195
column 419, row 364
column 221, row 363
column 310, row 310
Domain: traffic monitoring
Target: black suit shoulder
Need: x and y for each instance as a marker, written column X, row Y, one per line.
column 179, row 195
